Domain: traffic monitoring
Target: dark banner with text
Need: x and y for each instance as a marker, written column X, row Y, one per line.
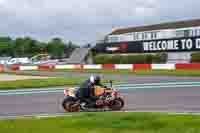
column 165, row 45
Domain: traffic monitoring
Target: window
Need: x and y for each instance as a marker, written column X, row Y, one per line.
column 139, row 36
column 192, row 33
column 159, row 35
column 153, row 35
column 121, row 38
column 143, row 36
column 186, row 33
column 146, row 36
column 126, row 37
column 136, row 36
column 197, row 32
column 129, row 34
column 180, row 33
column 113, row 39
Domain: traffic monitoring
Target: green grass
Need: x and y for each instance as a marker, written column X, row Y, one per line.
column 39, row 83
column 194, row 73
column 138, row 72
column 105, row 123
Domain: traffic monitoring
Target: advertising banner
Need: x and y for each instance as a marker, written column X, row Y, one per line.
column 164, row 45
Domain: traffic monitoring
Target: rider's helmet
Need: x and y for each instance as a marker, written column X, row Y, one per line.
column 97, row 80
column 92, row 79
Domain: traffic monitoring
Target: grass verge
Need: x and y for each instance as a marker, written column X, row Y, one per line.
column 107, row 123
column 194, row 73
column 40, row 83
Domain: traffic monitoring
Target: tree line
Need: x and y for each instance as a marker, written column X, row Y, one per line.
column 28, row 47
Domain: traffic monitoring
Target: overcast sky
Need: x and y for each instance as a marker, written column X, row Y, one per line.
column 84, row 21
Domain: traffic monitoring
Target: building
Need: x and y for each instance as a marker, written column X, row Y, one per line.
column 178, row 39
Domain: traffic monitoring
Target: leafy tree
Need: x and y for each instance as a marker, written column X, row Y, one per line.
column 32, row 47
column 28, row 47
column 5, row 46
column 56, row 48
column 19, row 47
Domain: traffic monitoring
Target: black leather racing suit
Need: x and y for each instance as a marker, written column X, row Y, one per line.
column 87, row 92
column 85, row 89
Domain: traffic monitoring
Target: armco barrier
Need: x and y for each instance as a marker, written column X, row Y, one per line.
column 92, row 66
column 46, row 67
column 163, row 66
column 124, row 66
column 78, row 66
column 142, row 66
column 109, row 67
column 64, row 67
column 188, row 66
column 1, row 68
column 28, row 68
column 15, row 67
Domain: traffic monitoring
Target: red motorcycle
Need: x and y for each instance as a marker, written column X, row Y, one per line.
column 109, row 99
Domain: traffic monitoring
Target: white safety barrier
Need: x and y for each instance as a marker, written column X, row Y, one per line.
column 92, row 67
column 124, row 66
column 28, row 68
column 113, row 66
column 1, row 68
column 163, row 66
column 65, row 67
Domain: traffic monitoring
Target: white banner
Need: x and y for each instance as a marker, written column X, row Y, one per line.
column 65, row 67
column 163, row 66
column 123, row 66
column 28, row 68
column 92, row 67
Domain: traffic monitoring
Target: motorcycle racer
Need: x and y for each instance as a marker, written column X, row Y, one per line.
column 87, row 88
column 92, row 96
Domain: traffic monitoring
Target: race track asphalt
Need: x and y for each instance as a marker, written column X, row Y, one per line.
column 171, row 99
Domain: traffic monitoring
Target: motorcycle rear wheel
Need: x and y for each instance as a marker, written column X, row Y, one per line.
column 117, row 104
column 70, row 105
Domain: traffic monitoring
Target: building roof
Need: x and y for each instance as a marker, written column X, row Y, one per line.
column 168, row 25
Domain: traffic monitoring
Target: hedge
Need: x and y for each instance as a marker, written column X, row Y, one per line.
column 130, row 59
column 195, row 57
